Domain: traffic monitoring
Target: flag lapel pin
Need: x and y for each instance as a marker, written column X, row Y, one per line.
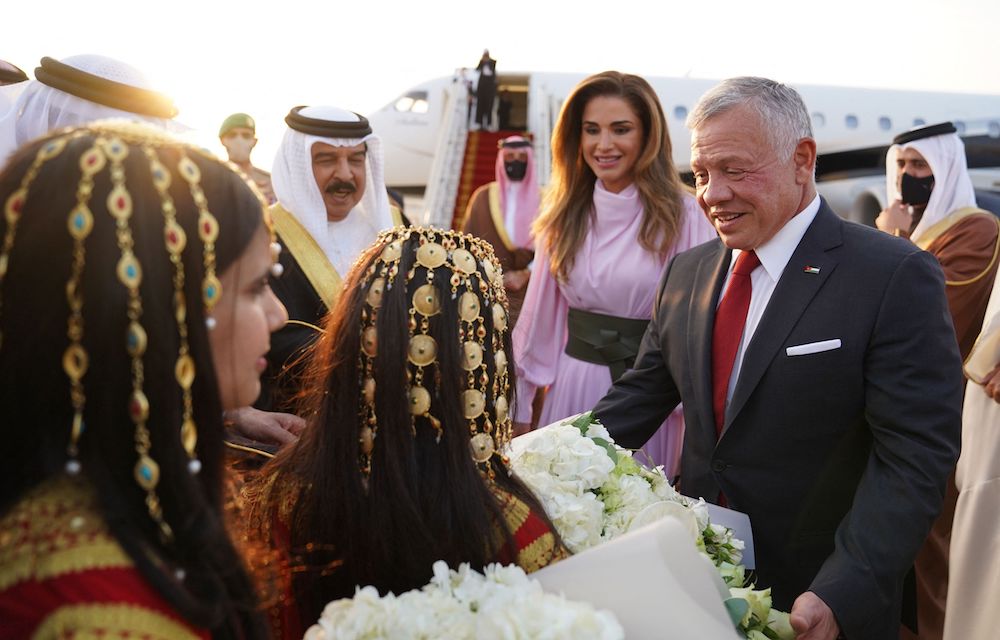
column 810, row 269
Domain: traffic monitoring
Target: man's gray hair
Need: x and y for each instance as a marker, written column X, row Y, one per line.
column 779, row 107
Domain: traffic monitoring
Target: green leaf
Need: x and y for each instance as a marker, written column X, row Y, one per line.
column 583, row 422
column 607, row 446
column 737, row 608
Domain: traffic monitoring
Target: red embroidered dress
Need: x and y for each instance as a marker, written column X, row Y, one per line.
column 63, row 575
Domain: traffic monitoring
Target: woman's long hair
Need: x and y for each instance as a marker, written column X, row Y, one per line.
column 568, row 205
column 425, row 499
column 216, row 592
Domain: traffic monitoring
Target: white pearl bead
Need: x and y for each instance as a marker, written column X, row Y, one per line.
column 277, row 269
column 210, row 322
column 194, row 466
column 73, row 466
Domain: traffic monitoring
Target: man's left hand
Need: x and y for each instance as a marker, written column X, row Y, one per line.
column 812, row 619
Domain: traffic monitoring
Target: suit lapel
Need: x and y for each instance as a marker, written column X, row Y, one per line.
column 701, row 318
column 792, row 294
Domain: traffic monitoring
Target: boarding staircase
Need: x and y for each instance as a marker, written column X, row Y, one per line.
column 465, row 160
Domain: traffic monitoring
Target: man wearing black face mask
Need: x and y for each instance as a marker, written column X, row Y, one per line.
column 501, row 212
column 932, row 202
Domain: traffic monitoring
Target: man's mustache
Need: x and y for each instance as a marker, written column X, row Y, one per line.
column 340, row 186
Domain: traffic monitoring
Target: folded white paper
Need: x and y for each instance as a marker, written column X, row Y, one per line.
column 653, row 579
column 984, row 356
column 739, row 522
column 813, row 347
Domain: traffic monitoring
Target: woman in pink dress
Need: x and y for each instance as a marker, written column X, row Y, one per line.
column 616, row 213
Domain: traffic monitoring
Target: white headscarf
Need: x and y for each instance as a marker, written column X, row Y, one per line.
column 40, row 108
column 296, row 189
column 945, row 155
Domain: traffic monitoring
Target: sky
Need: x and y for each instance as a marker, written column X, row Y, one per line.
column 215, row 57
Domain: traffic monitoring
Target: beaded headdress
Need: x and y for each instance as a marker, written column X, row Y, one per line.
column 112, row 142
column 474, row 277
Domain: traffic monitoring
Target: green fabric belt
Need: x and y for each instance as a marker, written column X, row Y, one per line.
column 603, row 339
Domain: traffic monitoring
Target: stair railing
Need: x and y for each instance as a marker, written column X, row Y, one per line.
column 540, row 123
column 449, row 154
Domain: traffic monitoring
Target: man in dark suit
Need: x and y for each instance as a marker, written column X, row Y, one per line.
column 817, row 365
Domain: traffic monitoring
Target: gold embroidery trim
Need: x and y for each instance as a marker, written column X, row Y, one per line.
column 103, row 621
column 498, row 218
column 989, row 267
column 54, row 530
column 321, row 274
column 539, row 554
column 945, row 223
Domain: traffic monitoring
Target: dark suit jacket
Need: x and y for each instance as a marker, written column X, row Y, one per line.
column 286, row 360
column 839, row 457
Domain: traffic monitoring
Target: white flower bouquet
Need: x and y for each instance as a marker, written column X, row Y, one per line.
column 500, row 604
column 594, row 491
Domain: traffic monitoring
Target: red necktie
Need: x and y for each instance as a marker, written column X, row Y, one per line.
column 729, row 320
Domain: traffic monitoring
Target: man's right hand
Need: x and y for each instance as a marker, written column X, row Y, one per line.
column 895, row 216
column 265, row 426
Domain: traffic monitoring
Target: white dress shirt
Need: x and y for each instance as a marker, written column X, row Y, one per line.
column 774, row 256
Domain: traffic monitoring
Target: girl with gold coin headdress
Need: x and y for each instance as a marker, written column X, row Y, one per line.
column 134, row 309
column 408, row 399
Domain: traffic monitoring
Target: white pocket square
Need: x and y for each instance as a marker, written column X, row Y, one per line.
column 813, row 347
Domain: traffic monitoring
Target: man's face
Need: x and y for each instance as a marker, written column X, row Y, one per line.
column 747, row 189
column 910, row 161
column 511, row 155
column 340, row 176
column 239, row 141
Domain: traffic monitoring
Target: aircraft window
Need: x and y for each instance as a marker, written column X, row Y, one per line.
column 851, row 121
column 919, row 122
column 994, row 129
column 960, row 126
column 885, row 123
column 680, row 112
column 819, row 120
column 414, row 101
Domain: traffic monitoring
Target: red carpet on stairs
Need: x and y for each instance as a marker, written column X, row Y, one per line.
column 477, row 167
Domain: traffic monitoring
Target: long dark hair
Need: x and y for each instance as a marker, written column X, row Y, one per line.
column 425, row 498
column 216, row 592
column 565, row 217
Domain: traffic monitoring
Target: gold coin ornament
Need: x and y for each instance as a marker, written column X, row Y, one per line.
column 500, row 358
column 431, row 255
column 392, row 251
column 482, row 447
column 368, row 389
column 464, row 261
column 375, row 292
column 426, row 300
column 468, row 306
column 499, row 317
column 473, row 403
column 420, row 401
column 423, row 350
column 502, row 409
column 369, row 342
column 491, row 272
column 472, row 356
